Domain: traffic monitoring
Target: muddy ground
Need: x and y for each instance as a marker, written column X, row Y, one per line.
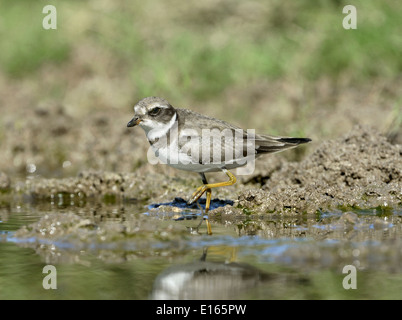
column 361, row 169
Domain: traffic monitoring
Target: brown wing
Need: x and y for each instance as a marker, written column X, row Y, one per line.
column 209, row 140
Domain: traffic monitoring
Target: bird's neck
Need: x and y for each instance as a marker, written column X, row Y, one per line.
column 161, row 130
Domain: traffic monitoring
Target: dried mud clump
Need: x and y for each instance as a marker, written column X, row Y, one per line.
column 361, row 169
column 110, row 186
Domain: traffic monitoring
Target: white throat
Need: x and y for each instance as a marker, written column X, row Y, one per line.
column 160, row 130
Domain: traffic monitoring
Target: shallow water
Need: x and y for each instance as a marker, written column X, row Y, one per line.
column 132, row 251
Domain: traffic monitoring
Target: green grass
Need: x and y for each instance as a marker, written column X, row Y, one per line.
column 370, row 51
column 200, row 49
column 26, row 46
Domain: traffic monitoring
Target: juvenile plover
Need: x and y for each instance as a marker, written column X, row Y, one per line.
column 190, row 141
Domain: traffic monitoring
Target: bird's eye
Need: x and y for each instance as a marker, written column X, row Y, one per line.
column 154, row 111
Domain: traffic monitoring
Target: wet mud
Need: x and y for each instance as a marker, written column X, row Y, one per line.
column 360, row 170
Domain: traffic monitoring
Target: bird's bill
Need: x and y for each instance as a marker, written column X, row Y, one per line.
column 133, row 122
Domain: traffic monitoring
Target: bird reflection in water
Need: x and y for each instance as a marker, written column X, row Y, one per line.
column 207, row 280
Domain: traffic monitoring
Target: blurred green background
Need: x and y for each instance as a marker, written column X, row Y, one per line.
column 281, row 67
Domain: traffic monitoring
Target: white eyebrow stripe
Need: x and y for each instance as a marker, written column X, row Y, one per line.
column 158, row 105
column 140, row 110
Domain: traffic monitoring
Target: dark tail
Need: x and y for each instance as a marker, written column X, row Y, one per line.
column 270, row 144
column 294, row 140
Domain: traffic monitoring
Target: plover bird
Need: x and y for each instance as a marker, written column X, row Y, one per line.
column 190, row 141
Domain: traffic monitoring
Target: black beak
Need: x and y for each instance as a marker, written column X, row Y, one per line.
column 133, row 122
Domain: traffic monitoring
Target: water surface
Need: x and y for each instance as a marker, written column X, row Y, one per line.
column 128, row 251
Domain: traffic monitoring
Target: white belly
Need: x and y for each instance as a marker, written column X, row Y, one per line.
column 171, row 156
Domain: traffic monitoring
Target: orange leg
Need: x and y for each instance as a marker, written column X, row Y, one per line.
column 207, row 204
column 207, row 188
column 201, row 190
